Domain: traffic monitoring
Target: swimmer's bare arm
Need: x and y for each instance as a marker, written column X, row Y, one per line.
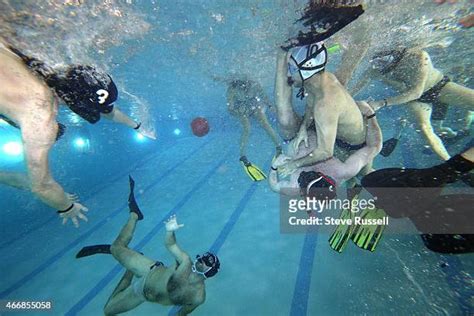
column 283, row 91
column 420, row 70
column 325, row 119
column 184, row 268
column 119, row 117
column 36, row 155
column 363, row 156
column 180, row 256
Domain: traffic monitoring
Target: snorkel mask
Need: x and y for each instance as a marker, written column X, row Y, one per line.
column 211, row 261
column 307, row 61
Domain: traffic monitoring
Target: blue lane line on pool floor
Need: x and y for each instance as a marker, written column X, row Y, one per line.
column 234, row 217
column 117, row 268
column 299, row 303
column 88, row 196
column 82, row 237
column 454, row 266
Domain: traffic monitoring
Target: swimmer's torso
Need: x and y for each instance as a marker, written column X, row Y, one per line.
column 350, row 125
column 162, row 288
column 22, row 95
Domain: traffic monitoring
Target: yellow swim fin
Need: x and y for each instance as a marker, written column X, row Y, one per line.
column 341, row 236
column 367, row 237
column 252, row 171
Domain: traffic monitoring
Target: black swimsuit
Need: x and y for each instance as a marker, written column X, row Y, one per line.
column 432, row 96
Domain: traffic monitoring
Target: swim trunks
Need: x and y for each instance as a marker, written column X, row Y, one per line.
column 345, row 145
column 440, row 109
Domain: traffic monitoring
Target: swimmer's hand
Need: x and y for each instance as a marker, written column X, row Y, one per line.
column 280, row 160
column 287, row 169
column 74, row 214
column 301, row 137
column 172, row 224
column 365, row 108
column 147, row 133
column 376, row 105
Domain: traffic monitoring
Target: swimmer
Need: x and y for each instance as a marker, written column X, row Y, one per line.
column 445, row 221
column 246, row 99
column 87, row 91
column 181, row 284
column 30, row 105
column 425, row 90
column 337, row 119
column 320, row 180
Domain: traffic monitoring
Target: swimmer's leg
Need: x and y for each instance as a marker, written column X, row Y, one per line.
column 124, row 283
column 422, row 112
column 455, row 94
column 137, row 263
column 262, row 118
column 244, row 139
column 123, row 298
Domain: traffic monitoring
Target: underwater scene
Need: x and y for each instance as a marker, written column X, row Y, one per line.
column 237, row 157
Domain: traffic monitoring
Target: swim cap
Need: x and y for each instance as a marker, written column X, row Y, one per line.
column 308, row 60
column 87, row 91
column 317, row 184
column 210, row 260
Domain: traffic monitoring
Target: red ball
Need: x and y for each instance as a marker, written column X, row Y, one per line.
column 200, row 126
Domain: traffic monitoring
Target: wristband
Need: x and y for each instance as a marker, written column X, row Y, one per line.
column 138, row 126
column 66, row 210
column 274, row 169
column 370, row 116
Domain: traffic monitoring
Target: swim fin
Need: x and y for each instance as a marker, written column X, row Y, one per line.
column 368, row 236
column 388, row 147
column 132, row 203
column 93, row 250
column 341, row 236
column 252, row 171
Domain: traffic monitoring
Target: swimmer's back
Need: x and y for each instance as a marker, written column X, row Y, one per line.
column 21, row 92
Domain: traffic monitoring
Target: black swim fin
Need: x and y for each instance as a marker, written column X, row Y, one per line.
column 389, row 146
column 132, row 203
column 93, row 250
